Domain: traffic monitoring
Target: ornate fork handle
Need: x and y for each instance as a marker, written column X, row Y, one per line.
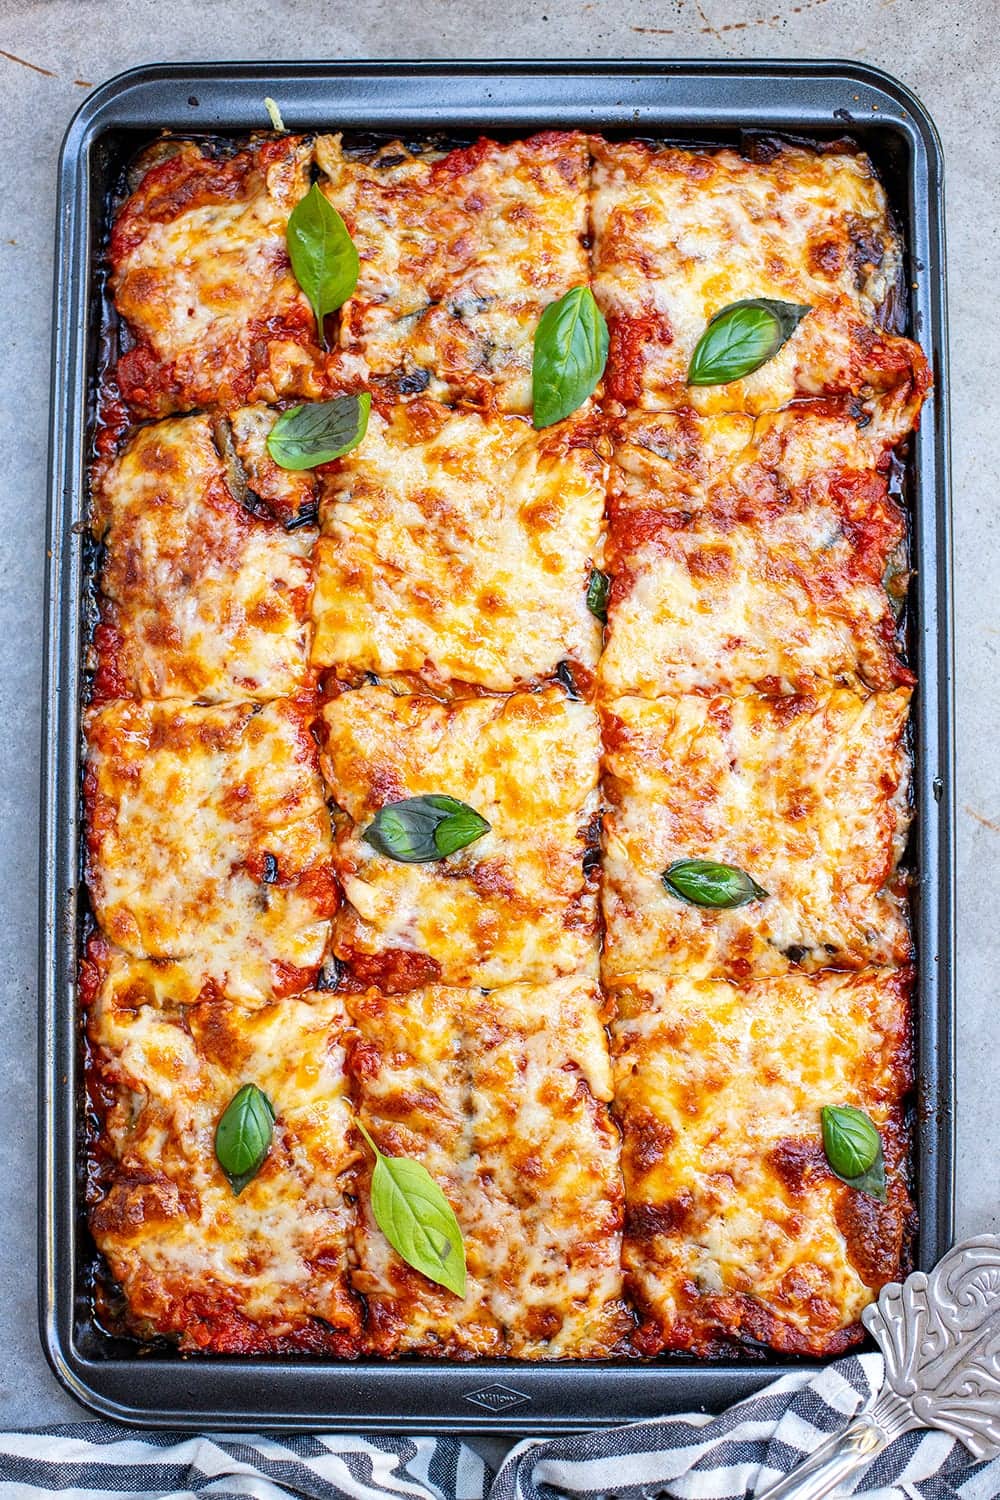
column 843, row 1454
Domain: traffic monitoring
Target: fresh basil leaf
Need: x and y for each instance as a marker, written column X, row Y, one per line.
column 871, row 1182
column 459, row 829
column 243, row 1135
column 416, row 1218
column 853, row 1149
column 304, row 436
column 703, row 882
column 597, row 595
column 571, row 350
column 324, row 257
column 417, row 830
column 742, row 337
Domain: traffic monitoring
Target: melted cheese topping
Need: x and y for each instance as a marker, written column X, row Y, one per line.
column 232, row 1273
column 679, row 235
column 516, row 905
column 204, row 600
column 209, row 840
column 735, row 1224
column 456, row 547
column 747, row 548
column 503, row 1098
column 459, row 257
column 808, row 795
column 168, row 984
column 749, row 567
column 201, row 274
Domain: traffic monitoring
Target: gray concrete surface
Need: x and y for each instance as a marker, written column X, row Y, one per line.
column 52, row 51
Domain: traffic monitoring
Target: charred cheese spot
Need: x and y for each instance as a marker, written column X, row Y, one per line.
column 265, row 1271
column 679, row 235
column 735, row 1225
column 749, row 567
column 184, row 805
column 459, row 257
column 503, row 1097
column 458, row 548
column 722, row 779
column 200, row 598
column 492, row 913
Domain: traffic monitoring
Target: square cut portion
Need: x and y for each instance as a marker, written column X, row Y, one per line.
column 168, row 984
column 264, row 1271
column 736, row 1228
column 201, row 275
column 750, row 555
column 807, row 795
column 458, row 548
column 460, row 254
column 519, row 903
column 411, row 1086
column 201, row 599
column 680, row 235
column 503, row 1098
column 209, row 840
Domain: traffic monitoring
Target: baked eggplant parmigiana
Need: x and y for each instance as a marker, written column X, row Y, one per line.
column 508, row 806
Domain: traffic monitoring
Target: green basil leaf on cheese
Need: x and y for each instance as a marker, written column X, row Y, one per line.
column 742, row 337
column 418, row 830
column 853, row 1149
column 324, row 257
column 416, row 1218
column 598, row 588
column 243, row 1135
column 703, row 882
column 571, row 350
column 320, row 431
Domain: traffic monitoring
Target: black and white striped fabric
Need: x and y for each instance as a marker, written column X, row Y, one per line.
column 693, row 1457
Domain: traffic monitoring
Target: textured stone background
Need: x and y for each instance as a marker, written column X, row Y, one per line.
column 52, row 51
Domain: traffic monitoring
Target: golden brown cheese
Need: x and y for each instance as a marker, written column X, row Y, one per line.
column 736, row 1229
column 411, row 1082
column 201, row 275
column 518, row 904
column 741, row 465
column 679, row 235
column 749, row 554
column 503, row 1097
column 457, row 547
column 209, row 840
column 267, row 1270
column 807, row 795
column 460, row 254
column 127, row 983
column 747, row 549
column 201, row 599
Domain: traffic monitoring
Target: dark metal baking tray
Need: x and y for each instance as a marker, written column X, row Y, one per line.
column 704, row 101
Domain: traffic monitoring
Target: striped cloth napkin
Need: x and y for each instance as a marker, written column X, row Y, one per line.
column 735, row 1455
